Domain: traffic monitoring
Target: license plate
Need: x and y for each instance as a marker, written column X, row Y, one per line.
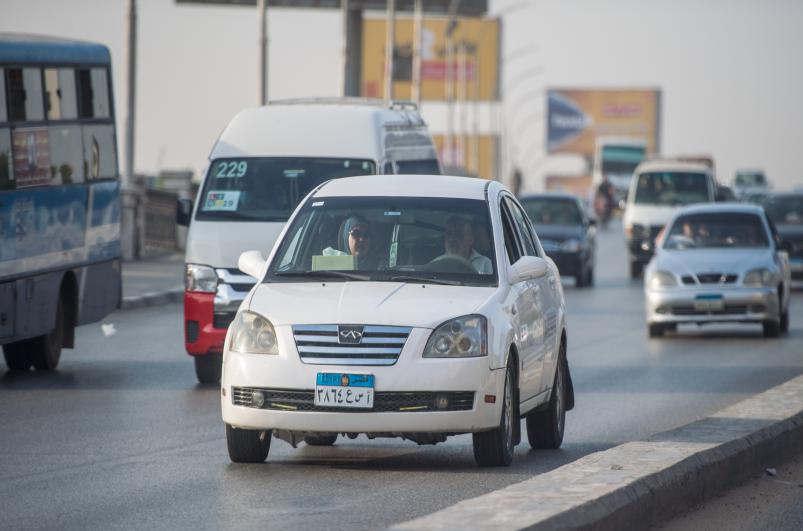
column 344, row 390
column 709, row 303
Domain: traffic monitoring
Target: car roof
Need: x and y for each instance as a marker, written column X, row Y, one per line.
column 408, row 186
column 671, row 165
column 721, row 208
column 548, row 195
column 331, row 128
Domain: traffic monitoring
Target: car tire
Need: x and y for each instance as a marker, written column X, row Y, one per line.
column 771, row 328
column 590, row 277
column 635, row 270
column 17, row 355
column 46, row 349
column 580, row 280
column 655, row 329
column 320, row 440
column 208, row 368
column 545, row 428
column 247, row 446
column 784, row 324
column 495, row 447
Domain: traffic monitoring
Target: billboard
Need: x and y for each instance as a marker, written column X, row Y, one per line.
column 476, row 155
column 576, row 117
column 479, row 37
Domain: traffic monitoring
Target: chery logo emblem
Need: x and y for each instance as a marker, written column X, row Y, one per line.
column 349, row 335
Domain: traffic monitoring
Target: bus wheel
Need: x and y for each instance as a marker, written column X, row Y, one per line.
column 17, row 355
column 47, row 351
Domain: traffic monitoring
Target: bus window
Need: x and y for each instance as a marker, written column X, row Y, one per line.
column 60, row 94
column 93, row 93
column 3, row 115
column 6, row 180
column 25, row 94
column 66, row 154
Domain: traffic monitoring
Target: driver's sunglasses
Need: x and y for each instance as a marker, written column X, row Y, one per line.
column 360, row 233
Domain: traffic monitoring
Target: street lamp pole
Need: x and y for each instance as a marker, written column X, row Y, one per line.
column 262, row 18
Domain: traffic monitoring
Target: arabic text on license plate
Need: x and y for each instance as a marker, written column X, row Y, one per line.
column 708, row 303
column 344, row 390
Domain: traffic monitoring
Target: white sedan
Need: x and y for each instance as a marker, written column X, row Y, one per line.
column 400, row 306
column 718, row 263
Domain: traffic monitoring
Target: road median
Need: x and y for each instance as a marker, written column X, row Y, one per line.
column 638, row 484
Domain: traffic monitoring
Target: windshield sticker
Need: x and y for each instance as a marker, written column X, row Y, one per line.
column 294, row 174
column 232, row 169
column 222, row 201
column 391, row 213
column 317, row 203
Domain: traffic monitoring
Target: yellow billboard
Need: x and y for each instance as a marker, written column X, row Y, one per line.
column 577, row 117
column 475, row 155
column 478, row 37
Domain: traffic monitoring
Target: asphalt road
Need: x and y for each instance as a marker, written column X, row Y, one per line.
column 122, row 437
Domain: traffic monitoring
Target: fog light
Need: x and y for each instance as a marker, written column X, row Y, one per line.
column 441, row 402
column 257, row 399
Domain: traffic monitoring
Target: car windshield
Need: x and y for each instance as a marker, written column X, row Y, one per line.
column 785, row 210
column 720, row 230
column 553, row 211
column 750, row 179
column 391, row 239
column 268, row 189
column 671, row 188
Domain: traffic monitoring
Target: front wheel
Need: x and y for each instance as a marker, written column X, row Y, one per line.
column 784, row 326
column 247, row 446
column 208, row 368
column 545, row 428
column 771, row 328
column 495, row 447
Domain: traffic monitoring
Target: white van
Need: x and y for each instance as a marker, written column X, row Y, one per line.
column 264, row 163
column 658, row 189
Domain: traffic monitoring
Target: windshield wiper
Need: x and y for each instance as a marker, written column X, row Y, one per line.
column 326, row 273
column 425, row 280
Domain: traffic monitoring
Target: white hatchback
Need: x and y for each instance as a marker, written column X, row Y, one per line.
column 404, row 306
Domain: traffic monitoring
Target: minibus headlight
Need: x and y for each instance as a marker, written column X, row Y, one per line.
column 463, row 337
column 200, row 278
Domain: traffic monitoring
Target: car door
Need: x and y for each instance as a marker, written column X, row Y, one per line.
column 529, row 305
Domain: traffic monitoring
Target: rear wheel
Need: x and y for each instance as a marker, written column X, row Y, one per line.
column 320, row 440
column 17, row 355
column 655, row 329
column 771, row 328
column 247, row 446
column 545, row 428
column 46, row 352
column 208, row 368
column 495, row 447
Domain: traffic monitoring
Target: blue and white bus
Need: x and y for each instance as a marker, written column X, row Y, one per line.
column 59, row 196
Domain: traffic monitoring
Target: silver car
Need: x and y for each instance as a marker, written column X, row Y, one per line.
column 718, row 263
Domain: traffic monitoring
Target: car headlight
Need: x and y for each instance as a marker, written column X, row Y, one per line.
column 759, row 278
column 200, row 278
column 571, row 245
column 463, row 337
column 662, row 279
column 253, row 334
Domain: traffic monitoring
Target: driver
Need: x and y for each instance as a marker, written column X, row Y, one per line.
column 355, row 238
column 458, row 240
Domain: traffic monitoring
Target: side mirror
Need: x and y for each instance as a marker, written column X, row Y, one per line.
column 251, row 263
column 183, row 212
column 527, row 268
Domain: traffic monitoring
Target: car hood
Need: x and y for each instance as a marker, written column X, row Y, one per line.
column 559, row 233
column 379, row 303
column 690, row 261
column 220, row 243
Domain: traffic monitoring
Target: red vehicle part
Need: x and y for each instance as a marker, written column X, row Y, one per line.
column 200, row 335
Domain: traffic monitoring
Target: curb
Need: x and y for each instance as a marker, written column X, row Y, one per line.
column 639, row 484
column 156, row 298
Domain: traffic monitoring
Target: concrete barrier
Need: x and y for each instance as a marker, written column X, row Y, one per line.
column 638, row 484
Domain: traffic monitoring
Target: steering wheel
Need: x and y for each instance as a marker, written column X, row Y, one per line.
column 451, row 263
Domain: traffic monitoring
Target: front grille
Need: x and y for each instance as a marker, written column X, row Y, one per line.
column 223, row 320
column 384, row 401
column 379, row 345
column 716, row 278
column 728, row 309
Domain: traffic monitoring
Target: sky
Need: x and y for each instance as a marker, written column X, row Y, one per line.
column 729, row 70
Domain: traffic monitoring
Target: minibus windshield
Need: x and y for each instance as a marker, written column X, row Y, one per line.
column 268, row 189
